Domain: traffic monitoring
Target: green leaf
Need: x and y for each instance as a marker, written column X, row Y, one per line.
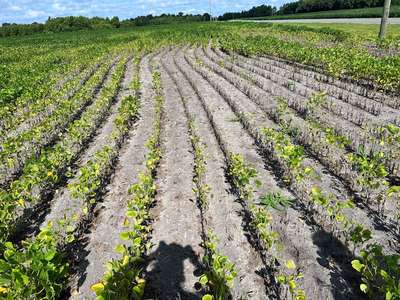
column 207, row 297
column 4, row 266
column 258, row 183
column 120, row 249
column 281, row 279
column 124, row 236
column 50, row 255
column 357, row 265
column 363, row 287
column 203, row 280
column 9, row 245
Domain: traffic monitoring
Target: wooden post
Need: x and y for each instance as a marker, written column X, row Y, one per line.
column 385, row 19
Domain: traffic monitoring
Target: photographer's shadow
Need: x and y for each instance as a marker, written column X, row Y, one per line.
column 165, row 276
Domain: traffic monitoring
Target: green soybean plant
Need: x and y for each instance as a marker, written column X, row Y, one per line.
column 220, row 272
column 243, row 176
column 290, row 279
column 38, row 271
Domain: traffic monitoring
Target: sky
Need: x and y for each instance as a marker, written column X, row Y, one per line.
column 28, row 11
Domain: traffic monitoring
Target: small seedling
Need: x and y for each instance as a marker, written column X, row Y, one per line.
column 276, row 200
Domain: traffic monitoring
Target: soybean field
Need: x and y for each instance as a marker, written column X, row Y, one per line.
column 208, row 161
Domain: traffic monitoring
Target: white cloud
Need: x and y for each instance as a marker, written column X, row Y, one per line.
column 14, row 8
column 27, row 11
column 34, row 13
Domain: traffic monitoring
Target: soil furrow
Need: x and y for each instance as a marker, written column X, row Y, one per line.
column 335, row 160
column 223, row 213
column 317, row 277
column 298, row 90
column 174, row 259
column 371, row 106
column 256, row 119
column 297, row 94
column 361, row 88
column 368, row 136
column 104, row 235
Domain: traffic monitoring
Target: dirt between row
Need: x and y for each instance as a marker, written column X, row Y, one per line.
column 264, row 99
column 225, row 118
column 291, row 237
column 104, row 235
column 174, row 264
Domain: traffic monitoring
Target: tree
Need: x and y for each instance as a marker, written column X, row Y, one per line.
column 206, row 17
column 115, row 22
column 385, row 19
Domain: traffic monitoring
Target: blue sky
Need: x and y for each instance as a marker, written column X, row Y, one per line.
column 27, row 11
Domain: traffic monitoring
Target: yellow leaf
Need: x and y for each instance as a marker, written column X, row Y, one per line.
column 140, row 280
column 125, row 261
column 3, row 290
column 21, row 202
column 97, row 287
column 290, row 264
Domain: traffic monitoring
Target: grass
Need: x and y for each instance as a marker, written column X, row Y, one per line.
column 370, row 12
column 364, row 32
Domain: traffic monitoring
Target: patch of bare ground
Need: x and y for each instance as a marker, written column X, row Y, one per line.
column 382, row 52
column 175, row 256
column 357, row 109
column 223, row 214
column 330, row 184
column 100, row 240
column 318, row 279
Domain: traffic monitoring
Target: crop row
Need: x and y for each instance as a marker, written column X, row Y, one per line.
column 321, row 76
column 365, row 121
column 218, row 272
column 338, row 61
column 326, row 146
column 297, row 76
column 49, row 245
column 243, row 177
column 307, row 188
column 15, row 151
column 29, row 80
column 124, row 277
column 44, row 172
column 24, row 119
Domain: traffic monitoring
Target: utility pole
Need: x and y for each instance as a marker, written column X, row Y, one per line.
column 210, row 9
column 385, row 19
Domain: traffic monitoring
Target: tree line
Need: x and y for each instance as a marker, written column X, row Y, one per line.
column 256, row 11
column 72, row 23
column 79, row 23
column 303, row 6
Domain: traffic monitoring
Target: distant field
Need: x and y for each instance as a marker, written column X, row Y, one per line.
column 372, row 12
column 360, row 31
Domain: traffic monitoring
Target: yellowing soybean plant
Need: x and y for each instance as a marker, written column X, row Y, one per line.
column 205, row 161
